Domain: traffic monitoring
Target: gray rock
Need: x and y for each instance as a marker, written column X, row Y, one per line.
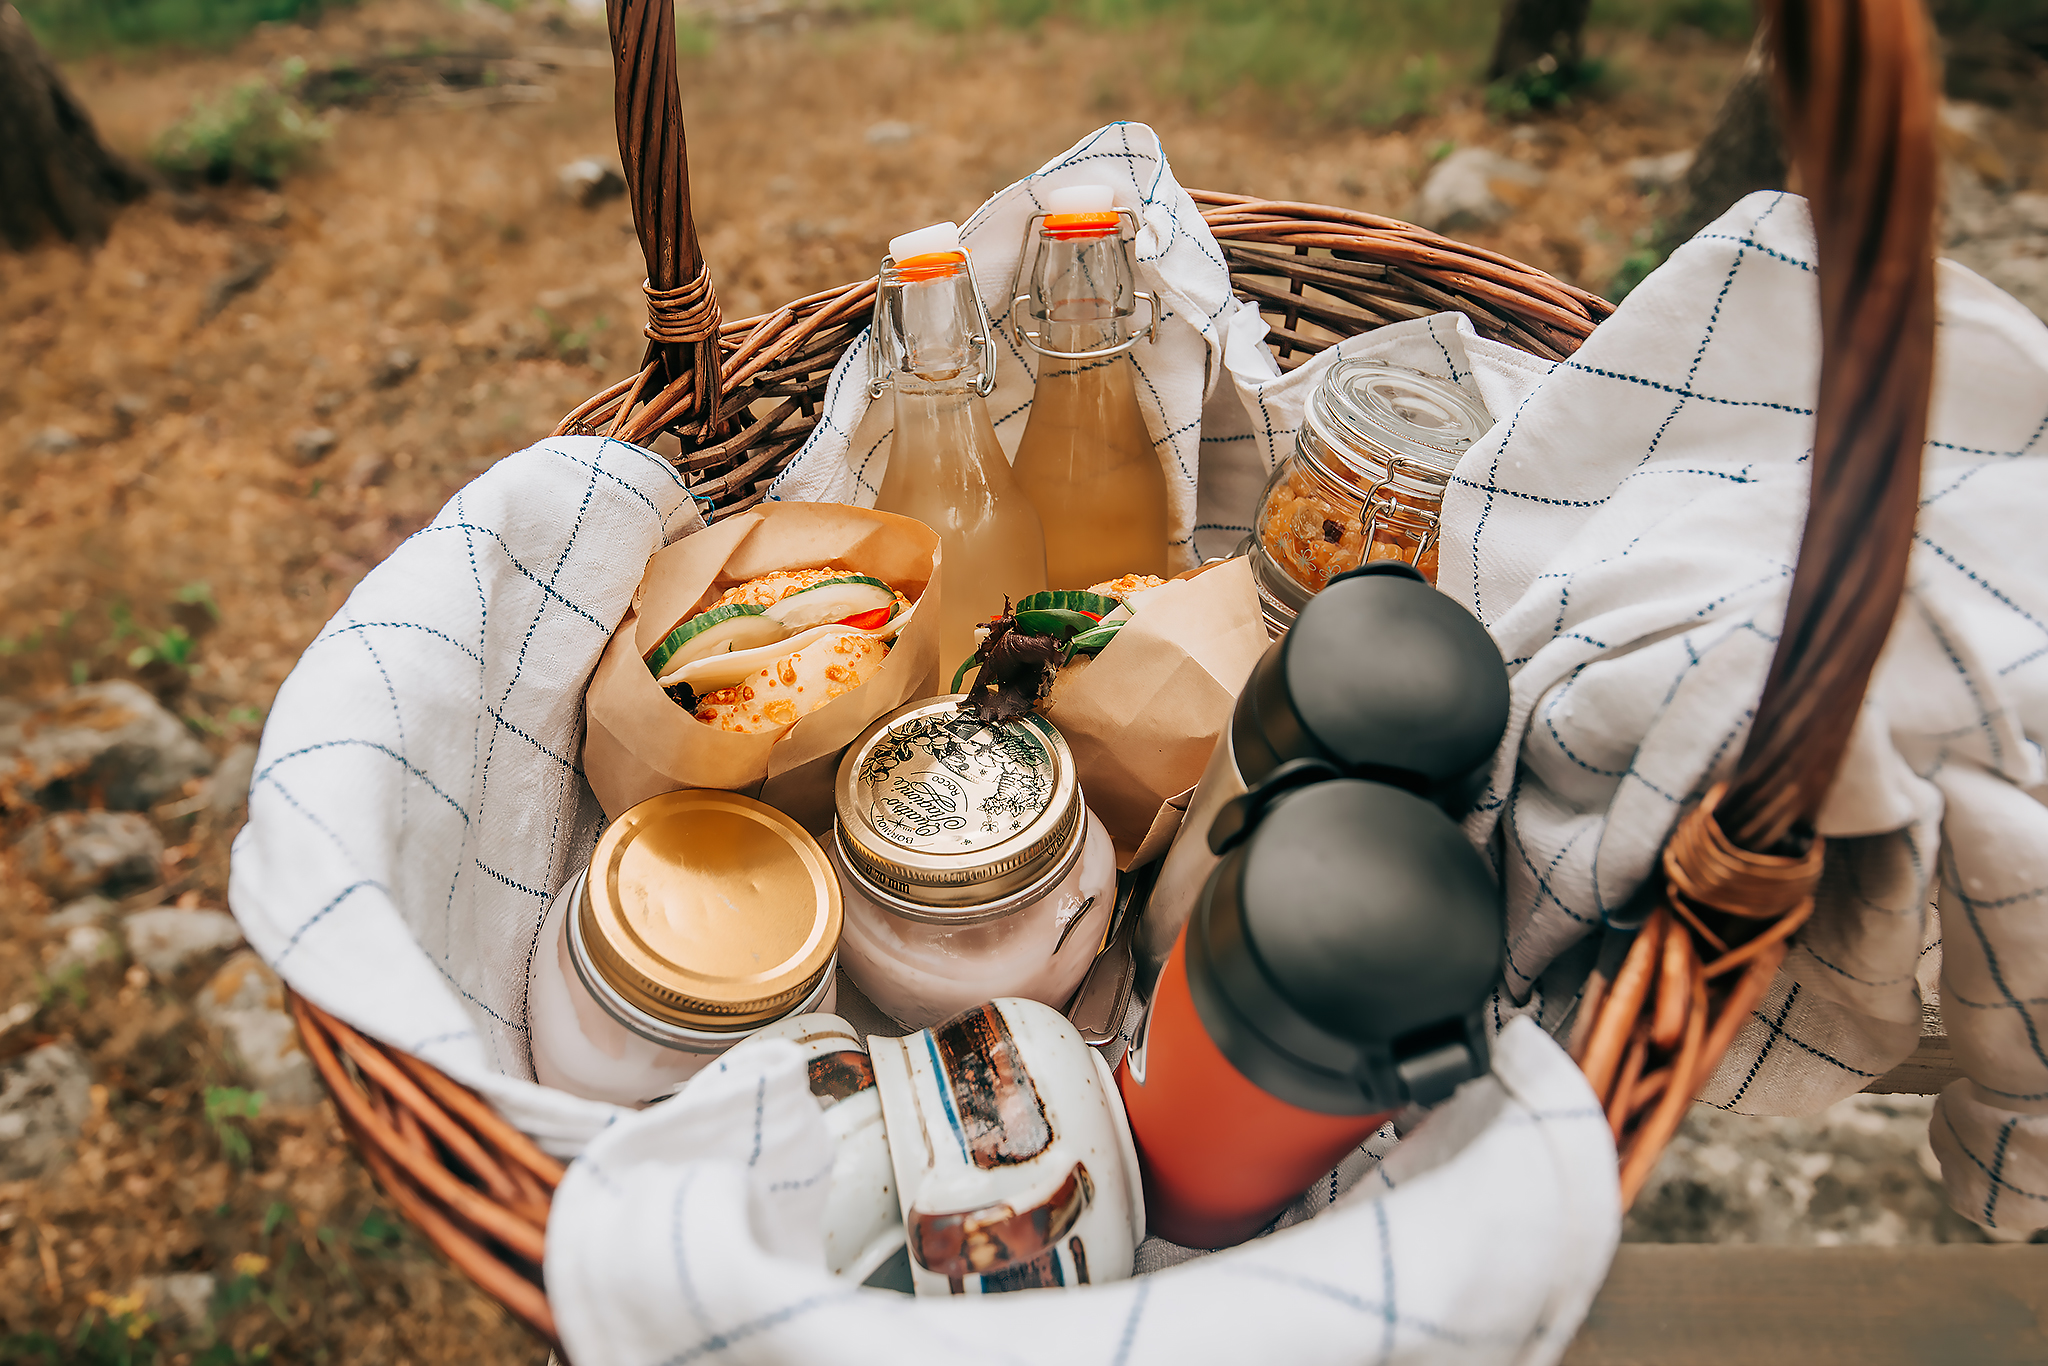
column 590, row 181
column 366, row 470
column 314, row 444
column 2002, row 237
column 45, row 1096
column 87, row 910
column 1474, row 187
column 245, row 1002
column 2030, row 212
column 228, row 788
column 889, row 133
column 183, row 1298
column 1860, row 1172
column 393, row 368
column 17, row 1015
column 74, row 852
column 168, row 938
column 1652, row 174
column 53, row 441
column 128, row 409
column 84, row 946
column 112, row 737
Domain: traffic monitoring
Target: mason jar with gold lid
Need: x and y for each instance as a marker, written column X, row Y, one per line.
column 970, row 864
column 703, row 917
column 1365, row 481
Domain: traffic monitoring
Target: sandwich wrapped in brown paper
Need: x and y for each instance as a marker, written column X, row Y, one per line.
column 638, row 743
column 1143, row 715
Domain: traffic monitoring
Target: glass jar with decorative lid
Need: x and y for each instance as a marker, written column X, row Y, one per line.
column 970, row 866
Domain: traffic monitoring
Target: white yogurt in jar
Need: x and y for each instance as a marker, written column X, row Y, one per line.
column 969, row 864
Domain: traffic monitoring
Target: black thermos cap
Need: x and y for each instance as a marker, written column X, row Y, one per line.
column 1382, row 676
column 1342, row 955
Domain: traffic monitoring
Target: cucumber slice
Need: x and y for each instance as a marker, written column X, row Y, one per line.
column 1068, row 600
column 1060, row 622
column 830, row 601
column 740, row 626
column 712, row 672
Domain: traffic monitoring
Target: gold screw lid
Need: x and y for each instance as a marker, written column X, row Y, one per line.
column 943, row 810
column 710, row 910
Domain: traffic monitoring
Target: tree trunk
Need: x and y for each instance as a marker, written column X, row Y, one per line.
column 1531, row 30
column 55, row 176
column 1744, row 151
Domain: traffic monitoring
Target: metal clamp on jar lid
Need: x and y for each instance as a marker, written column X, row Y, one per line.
column 1341, row 956
column 707, row 911
column 942, row 817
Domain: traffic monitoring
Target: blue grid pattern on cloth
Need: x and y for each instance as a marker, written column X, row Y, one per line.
column 657, row 1260
column 418, row 794
column 1627, row 533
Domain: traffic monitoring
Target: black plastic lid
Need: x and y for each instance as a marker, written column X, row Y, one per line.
column 1381, row 676
column 1342, row 955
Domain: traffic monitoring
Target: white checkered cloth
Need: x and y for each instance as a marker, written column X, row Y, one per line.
column 1627, row 534
column 1177, row 261
column 688, row 1233
column 416, row 801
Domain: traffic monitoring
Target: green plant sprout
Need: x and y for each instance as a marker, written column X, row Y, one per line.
column 256, row 132
column 226, row 1108
column 572, row 344
column 173, row 647
column 68, row 983
column 198, row 593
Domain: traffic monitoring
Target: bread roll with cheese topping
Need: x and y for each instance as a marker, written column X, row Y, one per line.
column 794, row 685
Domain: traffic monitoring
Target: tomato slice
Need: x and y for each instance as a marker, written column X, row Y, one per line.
column 868, row 621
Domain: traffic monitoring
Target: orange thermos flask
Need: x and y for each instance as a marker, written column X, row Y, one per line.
column 1333, row 972
column 1333, row 965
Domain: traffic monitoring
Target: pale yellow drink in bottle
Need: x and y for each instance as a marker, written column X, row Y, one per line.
column 1086, row 459
column 945, row 467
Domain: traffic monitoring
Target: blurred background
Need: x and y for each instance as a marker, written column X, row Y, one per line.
column 278, row 276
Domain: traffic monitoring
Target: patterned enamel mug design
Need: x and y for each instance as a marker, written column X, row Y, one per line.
column 863, row 1221
column 1013, row 1157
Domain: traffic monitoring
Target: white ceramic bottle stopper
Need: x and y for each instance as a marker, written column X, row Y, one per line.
column 939, row 237
column 1081, row 199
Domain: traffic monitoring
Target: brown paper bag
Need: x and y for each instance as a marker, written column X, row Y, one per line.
column 637, row 743
column 1143, row 716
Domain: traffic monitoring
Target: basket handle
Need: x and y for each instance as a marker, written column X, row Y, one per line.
column 1856, row 85
column 680, row 371
column 1856, row 88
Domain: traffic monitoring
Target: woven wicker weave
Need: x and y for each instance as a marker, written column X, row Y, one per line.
column 742, row 396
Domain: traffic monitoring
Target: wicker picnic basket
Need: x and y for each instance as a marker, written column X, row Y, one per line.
column 1856, row 89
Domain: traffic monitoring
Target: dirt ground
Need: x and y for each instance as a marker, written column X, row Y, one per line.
column 427, row 294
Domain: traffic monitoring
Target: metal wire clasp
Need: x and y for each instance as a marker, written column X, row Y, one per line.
column 1127, row 231
column 1378, row 499
column 981, row 344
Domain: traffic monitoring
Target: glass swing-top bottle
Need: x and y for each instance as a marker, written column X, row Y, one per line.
column 1086, row 459
column 934, row 345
